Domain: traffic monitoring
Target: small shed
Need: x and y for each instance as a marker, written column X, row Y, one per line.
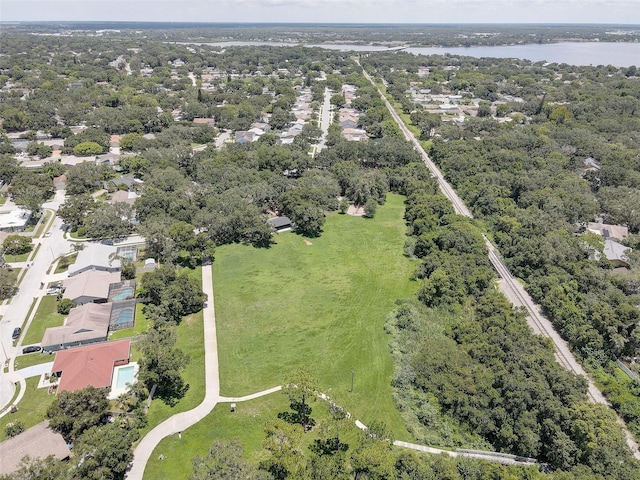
column 281, row 224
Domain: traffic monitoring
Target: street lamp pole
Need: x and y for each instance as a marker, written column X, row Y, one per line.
column 353, row 372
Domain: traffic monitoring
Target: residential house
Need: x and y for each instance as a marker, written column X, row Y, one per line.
column 616, row 253
column 88, row 323
column 90, row 286
column 78, row 368
column 209, row 122
column 246, row 136
column 37, row 442
column 354, row 134
column 14, row 220
column 608, row 231
column 96, row 256
column 281, row 224
column 123, row 196
column 126, row 181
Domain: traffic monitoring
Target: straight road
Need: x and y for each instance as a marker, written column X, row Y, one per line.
column 512, row 289
column 15, row 312
column 325, row 118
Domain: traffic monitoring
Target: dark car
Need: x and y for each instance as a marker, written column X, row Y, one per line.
column 16, row 332
column 31, row 349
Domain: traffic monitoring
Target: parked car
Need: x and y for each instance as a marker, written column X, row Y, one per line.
column 48, row 234
column 31, row 349
column 16, row 333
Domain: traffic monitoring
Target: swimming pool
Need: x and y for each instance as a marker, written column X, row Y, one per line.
column 125, row 375
column 124, row 317
column 123, row 295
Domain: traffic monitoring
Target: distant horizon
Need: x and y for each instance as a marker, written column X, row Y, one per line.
column 12, row 22
column 347, row 12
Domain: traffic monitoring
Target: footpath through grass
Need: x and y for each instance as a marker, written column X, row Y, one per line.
column 319, row 304
column 190, row 335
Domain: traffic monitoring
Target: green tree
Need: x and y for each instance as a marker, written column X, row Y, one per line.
column 71, row 413
column 86, row 149
column 16, row 245
column 8, row 283
column 75, row 209
column 162, row 364
column 103, row 452
column 65, row 305
column 14, row 428
column 224, row 462
column 39, row 149
column 283, row 442
column 110, row 221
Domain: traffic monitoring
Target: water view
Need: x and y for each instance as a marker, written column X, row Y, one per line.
column 618, row 54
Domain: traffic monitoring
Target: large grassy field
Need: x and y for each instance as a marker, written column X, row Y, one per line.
column 319, row 304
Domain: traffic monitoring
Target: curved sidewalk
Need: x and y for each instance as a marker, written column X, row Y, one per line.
column 182, row 421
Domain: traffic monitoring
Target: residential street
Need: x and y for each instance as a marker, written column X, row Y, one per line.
column 325, row 118
column 15, row 312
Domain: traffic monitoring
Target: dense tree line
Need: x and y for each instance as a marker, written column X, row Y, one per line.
column 475, row 360
column 532, row 182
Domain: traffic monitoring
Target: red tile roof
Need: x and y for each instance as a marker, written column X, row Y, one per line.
column 90, row 365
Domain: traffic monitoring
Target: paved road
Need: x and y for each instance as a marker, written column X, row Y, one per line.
column 15, row 312
column 326, row 117
column 512, row 289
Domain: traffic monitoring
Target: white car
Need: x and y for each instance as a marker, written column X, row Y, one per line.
column 48, row 234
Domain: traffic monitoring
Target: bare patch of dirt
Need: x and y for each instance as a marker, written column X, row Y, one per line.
column 307, row 242
column 356, row 211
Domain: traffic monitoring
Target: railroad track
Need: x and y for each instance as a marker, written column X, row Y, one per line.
column 536, row 320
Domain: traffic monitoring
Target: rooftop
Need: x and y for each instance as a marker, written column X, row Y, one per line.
column 36, row 442
column 95, row 255
column 86, row 323
column 90, row 365
column 90, row 283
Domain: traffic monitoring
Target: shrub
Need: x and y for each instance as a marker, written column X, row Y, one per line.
column 65, row 306
column 14, row 428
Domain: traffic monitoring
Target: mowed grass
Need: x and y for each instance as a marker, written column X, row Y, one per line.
column 246, row 425
column 320, row 304
column 31, row 409
column 46, row 316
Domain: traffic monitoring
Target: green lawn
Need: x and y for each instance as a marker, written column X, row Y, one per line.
column 46, row 316
column 31, row 409
column 30, row 359
column 246, row 424
column 18, row 258
column 43, row 224
column 319, row 304
column 64, row 262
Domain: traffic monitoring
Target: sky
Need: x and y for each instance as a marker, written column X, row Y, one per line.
column 327, row 11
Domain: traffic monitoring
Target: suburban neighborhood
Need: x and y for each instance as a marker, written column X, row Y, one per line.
column 314, row 262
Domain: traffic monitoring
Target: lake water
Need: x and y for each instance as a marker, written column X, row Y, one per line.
column 573, row 53
column 618, row 54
